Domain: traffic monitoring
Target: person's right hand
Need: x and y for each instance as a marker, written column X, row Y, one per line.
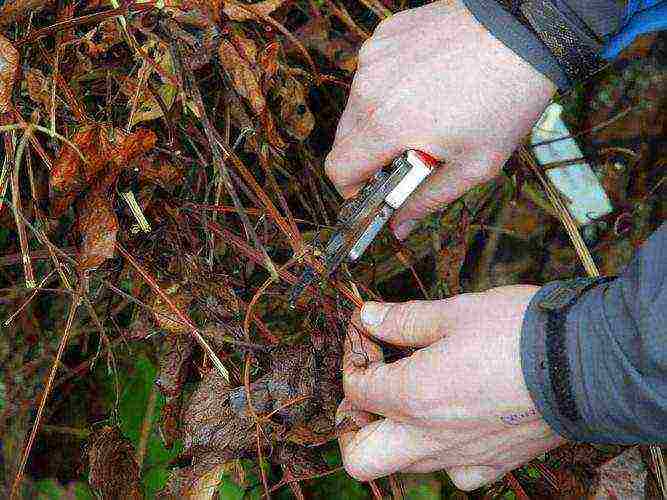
column 434, row 79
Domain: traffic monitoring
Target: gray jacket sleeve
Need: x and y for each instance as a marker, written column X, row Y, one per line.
column 613, row 355
column 600, row 18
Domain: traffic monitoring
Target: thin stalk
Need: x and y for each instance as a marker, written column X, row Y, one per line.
column 16, row 209
column 47, row 389
column 193, row 329
column 591, row 268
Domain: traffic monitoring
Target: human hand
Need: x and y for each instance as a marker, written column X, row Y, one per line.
column 434, row 79
column 459, row 403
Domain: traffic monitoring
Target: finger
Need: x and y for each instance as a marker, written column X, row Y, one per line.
column 471, row 477
column 358, row 110
column 359, row 351
column 384, row 447
column 415, row 323
column 356, row 157
column 446, row 184
column 366, row 379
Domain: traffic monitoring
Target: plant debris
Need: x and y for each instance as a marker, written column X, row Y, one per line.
column 162, row 187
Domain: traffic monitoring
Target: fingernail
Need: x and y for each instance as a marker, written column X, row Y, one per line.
column 373, row 313
column 404, row 229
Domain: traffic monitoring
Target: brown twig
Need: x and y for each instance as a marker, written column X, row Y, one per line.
column 182, row 316
column 45, row 394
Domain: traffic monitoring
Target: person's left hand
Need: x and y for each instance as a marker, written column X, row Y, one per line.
column 459, row 403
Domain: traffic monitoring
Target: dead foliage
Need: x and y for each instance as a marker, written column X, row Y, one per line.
column 163, row 188
column 114, row 471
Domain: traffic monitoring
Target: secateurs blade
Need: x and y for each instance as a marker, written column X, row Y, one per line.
column 361, row 219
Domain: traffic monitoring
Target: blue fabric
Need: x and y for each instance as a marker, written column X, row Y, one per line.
column 641, row 16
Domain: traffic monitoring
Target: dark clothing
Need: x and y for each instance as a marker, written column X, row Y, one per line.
column 614, row 23
column 614, row 355
column 594, row 355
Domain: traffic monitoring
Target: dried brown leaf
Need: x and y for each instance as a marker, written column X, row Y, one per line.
column 15, row 10
column 113, row 470
column 38, row 87
column 211, row 428
column 103, row 37
column 237, row 11
column 161, row 172
column 169, row 428
column 268, row 60
column 9, row 64
column 317, row 34
column 294, row 111
column 174, row 355
column 301, row 462
column 271, row 131
column 244, row 77
column 165, row 317
column 198, row 482
column 106, row 151
column 98, row 227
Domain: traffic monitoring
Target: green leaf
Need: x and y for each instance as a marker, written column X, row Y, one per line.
column 533, row 473
column 51, row 489
column 136, row 386
column 509, row 495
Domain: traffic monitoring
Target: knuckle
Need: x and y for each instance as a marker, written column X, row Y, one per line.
column 406, row 317
column 331, row 169
column 472, row 478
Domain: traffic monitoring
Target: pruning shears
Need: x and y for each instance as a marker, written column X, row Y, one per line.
column 361, row 219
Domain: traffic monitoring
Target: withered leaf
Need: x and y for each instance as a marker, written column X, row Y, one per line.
column 105, row 150
column 197, row 482
column 301, row 462
column 160, row 171
column 211, row 428
column 14, row 10
column 169, row 418
column 113, row 470
column 100, row 39
column 174, row 355
column 238, row 11
column 98, row 227
column 38, row 87
column 165, row 317
column 268, row 60
column 294, row 111
column 243, row 75
column 271, row 131
column 9, row 64
column 148, row 107
column 317, row 34
column 451, row 257
column 213, row 293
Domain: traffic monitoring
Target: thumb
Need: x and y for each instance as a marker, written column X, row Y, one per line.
column 415, row 323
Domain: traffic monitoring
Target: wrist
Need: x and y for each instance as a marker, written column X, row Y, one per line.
column 518, row 38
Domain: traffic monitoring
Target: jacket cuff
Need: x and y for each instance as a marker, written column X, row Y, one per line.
column 534, row 363
column 551, row 359
column 506, row 28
